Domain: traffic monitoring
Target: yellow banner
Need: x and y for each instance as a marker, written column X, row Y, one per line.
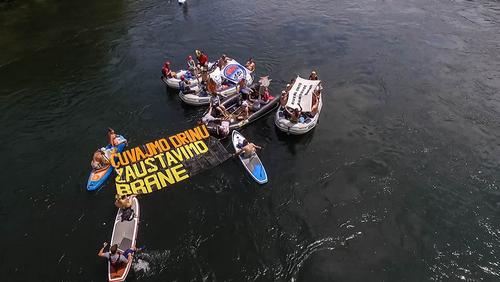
column 158, row 164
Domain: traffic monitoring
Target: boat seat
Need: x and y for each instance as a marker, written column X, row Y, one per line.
column 125, row 244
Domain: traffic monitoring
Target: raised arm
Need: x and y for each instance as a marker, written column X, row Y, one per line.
column 101, row 251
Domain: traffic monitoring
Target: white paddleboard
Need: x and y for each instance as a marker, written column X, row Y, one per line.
column 125, row 235
column 252, row 164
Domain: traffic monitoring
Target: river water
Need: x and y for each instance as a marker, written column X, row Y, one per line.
column 398, row 182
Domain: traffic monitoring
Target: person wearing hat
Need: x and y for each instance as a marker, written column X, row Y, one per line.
column 202, row 59
column 313, row 76
column 165, row 71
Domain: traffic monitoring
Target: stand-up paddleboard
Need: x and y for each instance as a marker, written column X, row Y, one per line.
column 125, row 235
column 98, row 177
column 252, row 164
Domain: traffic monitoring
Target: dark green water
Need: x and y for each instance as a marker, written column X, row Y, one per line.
column 399, row 181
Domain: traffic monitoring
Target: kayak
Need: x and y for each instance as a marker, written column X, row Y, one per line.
column 252, row 164
column 125, row 235
column 98, row 177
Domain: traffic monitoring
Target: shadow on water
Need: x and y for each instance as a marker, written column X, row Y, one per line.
column 292, row 141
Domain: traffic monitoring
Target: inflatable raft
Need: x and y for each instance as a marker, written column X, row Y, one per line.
column 300, row 97
column 124, row 235
column 173, row 82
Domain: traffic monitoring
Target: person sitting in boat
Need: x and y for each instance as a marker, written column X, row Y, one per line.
column 184, row 86
column 254, row 100
column 295, row 114
column 243, row 89
column 215, row 103
column 247, row 149
column 222, row 61
column 265, row 96
column 315, row 103
column 283, row 98
column 250, row 65
column 202, row 59
column 204, row 76
column 99, row 160
column 165, row 71
column 115, row 257
column 313, row 75
column 191, row 65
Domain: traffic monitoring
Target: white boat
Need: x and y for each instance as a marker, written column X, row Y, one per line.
column 173, row 82
column 125, row 235
column 300, row 96
column 226, row 80
column 252, row 164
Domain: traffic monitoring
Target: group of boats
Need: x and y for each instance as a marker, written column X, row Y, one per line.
column 298, row 107
column 234, row 100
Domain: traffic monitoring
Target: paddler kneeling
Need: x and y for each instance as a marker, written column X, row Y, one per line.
column 115, row 257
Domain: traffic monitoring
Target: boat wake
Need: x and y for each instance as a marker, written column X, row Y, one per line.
column 151, row 263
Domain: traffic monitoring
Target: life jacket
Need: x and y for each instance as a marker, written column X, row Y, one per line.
column 203, row 59
column 116, row 263
column 182, row 85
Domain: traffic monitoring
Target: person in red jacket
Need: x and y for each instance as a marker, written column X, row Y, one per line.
column 202, row 59
column 165, row 71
